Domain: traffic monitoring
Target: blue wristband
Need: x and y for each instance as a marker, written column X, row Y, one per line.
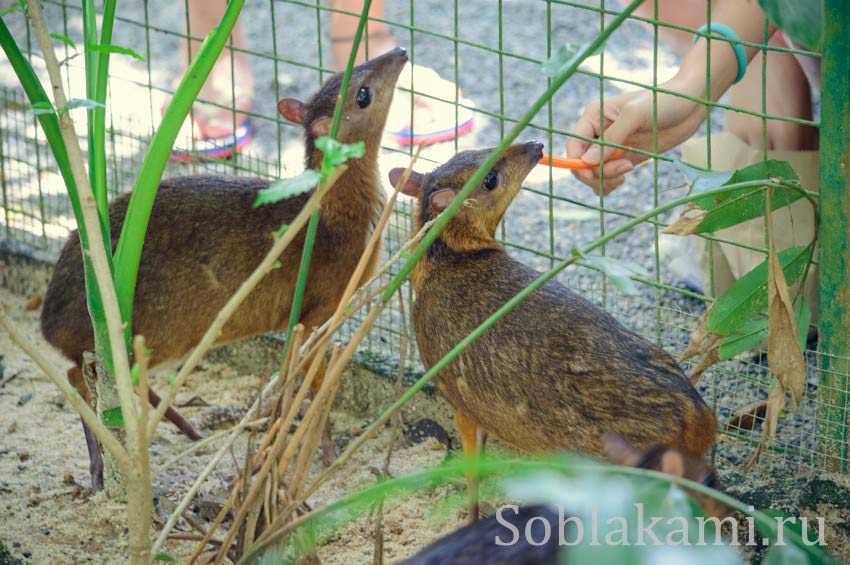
column 734, row 43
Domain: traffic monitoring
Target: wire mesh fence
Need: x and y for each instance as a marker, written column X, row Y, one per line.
column 492, row 51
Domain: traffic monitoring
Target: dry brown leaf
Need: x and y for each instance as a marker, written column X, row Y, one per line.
column 783, row 343
column 705, row 345
column 688, row 221
column 747, row 417
column 708, row 359
column 775, row 404
column 695, row 344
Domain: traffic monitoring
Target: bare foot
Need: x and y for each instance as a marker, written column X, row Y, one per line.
column 230, row 85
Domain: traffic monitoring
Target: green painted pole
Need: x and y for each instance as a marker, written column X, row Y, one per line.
column 834, row 256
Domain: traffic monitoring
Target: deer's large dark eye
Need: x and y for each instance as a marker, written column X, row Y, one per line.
column 364, row 97
column 491, row 181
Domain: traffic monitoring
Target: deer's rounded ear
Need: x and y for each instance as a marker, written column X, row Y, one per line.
column 321, row 127
column 440, row 200
column 291, row 109
column 618, row 451
column 413, row 185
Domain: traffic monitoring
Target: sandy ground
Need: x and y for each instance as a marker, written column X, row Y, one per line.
column 48, row 514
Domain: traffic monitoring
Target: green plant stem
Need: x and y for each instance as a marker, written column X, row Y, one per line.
column 512, row 303
column 118, row 360
column 129, row 250
column 97, row 75
column 478, row 176
column 353, row 504
column 50, row 125
column 312, row 227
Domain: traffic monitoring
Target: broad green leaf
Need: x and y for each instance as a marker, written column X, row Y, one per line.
column 802, row 20
column 164, row 557
column 74, row 103
column 287, row 188
column 700, row 181
column 587, row 490
column 793, row 549
column 113, row 418
column 753, row 333
column 748, row 296
column 786, row 554
column 337, row 153
column 620, row 272
column 738, row 206
column 43, row 107
column 117, row 49
column 66, row 40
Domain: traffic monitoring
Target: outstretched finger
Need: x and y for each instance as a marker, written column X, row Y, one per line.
column 620, row 130
column 576, row 147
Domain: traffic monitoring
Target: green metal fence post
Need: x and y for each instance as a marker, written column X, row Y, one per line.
column 834, row 261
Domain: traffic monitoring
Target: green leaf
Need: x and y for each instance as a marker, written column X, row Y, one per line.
column 804, row 318
column 19, row 6
column 337, row 153
column 700, row 181
column 803, row 21
column 753, row 333
column 134, row 374
column 164, row 557
column 43, row 107
column 117, row 49
column 280, row 231
column 287, row 188
column 748, row 296
column 619, row 272
column 66, row 40
column 171, row 378
column 744, row 204
column 74, row 103
column 276, row 265
column 565, row 56
column 112, row 417
column 786, row 554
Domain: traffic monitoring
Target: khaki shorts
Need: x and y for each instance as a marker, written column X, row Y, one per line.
column 794, row 225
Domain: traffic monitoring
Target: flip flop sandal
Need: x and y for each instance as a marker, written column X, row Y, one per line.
column 216, row 148
column 440, row 128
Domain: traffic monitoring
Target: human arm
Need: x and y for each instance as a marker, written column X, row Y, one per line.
column 631, row 116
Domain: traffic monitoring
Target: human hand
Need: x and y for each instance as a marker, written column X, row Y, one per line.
column 629, row 118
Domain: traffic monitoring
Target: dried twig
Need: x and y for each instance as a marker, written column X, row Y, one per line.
column 10, row 377
column 378, row 551
column 97, row 247
column 197, row 446
column 285, row 407
column 265, row 266
column 330, row 382
column 103, row 434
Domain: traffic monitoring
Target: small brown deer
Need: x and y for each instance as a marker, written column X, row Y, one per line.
column 556, row 372
column 205, row 237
